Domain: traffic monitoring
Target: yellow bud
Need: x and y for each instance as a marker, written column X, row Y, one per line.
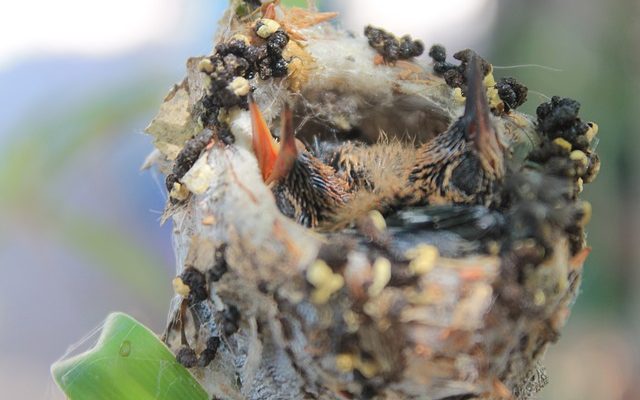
column 423, row 258
column 180, row 288
column 266, row 27
column 378, row 220
column 205, row 65
column 381, row 276
column 562, row 143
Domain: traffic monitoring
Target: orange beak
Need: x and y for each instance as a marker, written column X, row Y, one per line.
column 264, row 146
column 275, row 161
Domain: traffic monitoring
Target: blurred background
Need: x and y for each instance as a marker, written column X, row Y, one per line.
column 79, row 224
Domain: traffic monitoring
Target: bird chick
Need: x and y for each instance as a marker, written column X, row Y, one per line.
column 376, row 173
column 463, row 164
column 305, row 189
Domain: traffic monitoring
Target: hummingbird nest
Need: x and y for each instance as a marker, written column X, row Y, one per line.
column 351, row 221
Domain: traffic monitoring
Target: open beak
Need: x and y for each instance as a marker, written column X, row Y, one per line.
column 275, row 161
column 478, row 123
column 265, row 148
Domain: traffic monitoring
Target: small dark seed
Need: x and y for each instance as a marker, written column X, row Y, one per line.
column 187, row 357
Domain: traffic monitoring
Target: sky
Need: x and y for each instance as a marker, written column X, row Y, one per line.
column 95, row 28
column 107, row 28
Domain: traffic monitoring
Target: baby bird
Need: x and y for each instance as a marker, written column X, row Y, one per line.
column 463, row 164
column 305, row 189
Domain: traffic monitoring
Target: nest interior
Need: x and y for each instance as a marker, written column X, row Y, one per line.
column 353, row 220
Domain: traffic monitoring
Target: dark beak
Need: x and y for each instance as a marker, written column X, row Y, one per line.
column 478, row 126
column 288, row 150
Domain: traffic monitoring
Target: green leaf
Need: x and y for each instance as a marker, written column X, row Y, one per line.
column 127, row 362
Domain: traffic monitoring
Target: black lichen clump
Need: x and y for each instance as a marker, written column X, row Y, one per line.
column 210, row 351
column 244, row 54
column 231, row 60
column 559, row 118
column 456, row 75
column 270, row 62
column 390, row 47
column 235, row 59
column 439, row 55
column 197, row 284
column 187, row 157
column 187, row 357
column 512, row 93
column 566, row 146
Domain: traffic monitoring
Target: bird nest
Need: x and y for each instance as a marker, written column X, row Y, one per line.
column 351, row 221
